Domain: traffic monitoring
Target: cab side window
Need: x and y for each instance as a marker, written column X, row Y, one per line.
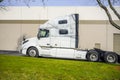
column 63, row 31
column 44, row 33
column 62, row 22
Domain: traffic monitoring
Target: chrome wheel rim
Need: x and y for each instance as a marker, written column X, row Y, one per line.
column 93, row 57
column 32, row 53
column 111, row 58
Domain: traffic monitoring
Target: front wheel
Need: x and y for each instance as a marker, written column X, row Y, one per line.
column 33, row 52
column 110, row 57
column 93, row 56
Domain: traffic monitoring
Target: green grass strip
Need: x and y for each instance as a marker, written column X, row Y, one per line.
column 29, row 68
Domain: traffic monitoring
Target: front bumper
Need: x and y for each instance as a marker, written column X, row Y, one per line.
column 23, row 51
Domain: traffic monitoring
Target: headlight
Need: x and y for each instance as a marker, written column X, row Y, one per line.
column 25, row 41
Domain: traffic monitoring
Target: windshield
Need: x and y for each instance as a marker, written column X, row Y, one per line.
column 43, row 33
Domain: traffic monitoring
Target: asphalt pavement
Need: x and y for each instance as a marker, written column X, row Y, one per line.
column 16, row 53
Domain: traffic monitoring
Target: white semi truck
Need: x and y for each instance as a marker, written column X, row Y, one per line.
column 59, row 38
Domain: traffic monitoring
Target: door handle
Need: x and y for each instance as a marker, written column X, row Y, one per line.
column 48, row 44
column 55, row 44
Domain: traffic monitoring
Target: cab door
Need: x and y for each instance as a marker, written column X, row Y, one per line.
column 44, row 42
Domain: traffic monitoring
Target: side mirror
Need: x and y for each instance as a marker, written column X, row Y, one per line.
column 24, row 37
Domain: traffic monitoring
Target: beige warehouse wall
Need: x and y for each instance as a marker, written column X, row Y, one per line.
column 94, row 27
column 46, row 13
column 100, row 32
column 110, row 35
column 9, row 35
column 11, row 32
column 90, row 32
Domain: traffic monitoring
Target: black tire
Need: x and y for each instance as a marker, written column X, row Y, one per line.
column 93, row 56
column 33, row 52
column 110, row 57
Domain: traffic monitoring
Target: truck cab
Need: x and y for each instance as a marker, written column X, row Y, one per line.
column 56, row 38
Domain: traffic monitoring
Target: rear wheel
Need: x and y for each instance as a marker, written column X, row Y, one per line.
column 111, row 57
column 33, row 52
column 93, row 56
